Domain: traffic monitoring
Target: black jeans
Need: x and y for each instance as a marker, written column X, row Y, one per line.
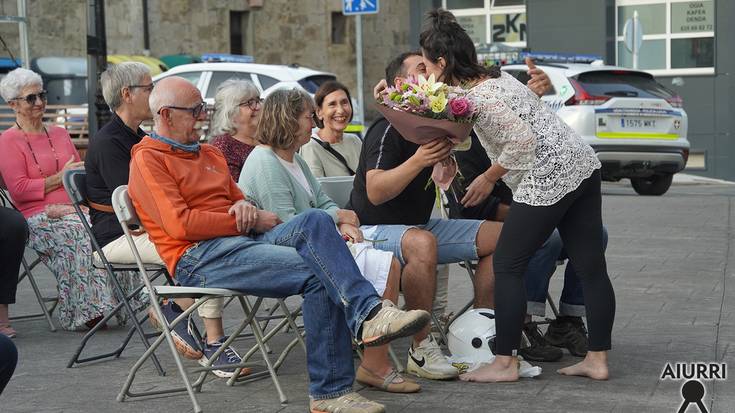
column 13, row 236
column 578, row 216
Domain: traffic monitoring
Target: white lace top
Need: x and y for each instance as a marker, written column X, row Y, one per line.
column 545, row 158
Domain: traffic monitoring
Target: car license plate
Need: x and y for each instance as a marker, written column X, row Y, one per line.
column 637, row 123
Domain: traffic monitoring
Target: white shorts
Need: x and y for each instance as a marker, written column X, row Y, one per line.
column 374, row 264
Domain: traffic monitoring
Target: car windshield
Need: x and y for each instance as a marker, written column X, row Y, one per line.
column 312, row 83
column 622, row 83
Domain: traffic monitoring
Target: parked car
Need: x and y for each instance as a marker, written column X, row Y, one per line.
column 637, row 127
column 267, row 78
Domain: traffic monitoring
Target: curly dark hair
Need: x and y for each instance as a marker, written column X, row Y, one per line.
column 443, row 37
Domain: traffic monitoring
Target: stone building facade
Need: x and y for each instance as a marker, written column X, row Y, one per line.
column 311, row 33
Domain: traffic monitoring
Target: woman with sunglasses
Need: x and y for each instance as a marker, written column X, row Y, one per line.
column 35, row 158
column 236, row 116
column 331, row 151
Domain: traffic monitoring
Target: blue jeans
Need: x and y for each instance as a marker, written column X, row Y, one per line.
column 305, row 256
column 540, row 269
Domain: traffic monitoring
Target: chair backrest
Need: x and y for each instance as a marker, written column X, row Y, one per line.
column 123, row 206
column 75, row 183
column 126, row 215
column 338, row 188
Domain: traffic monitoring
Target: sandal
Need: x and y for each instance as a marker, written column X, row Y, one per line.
column 7, row 330
column 392, row 383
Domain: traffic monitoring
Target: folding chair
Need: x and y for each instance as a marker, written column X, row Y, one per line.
column 27, row 273
column 76, row 187
column 127, row 217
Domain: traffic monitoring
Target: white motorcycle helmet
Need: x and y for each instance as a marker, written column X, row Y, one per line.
column 472, row 336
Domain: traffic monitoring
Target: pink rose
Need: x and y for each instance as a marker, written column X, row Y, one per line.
column 459, row 107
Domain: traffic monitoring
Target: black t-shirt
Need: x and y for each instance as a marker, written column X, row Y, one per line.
column 472, row 163
column 384, row 148
column 108, row 165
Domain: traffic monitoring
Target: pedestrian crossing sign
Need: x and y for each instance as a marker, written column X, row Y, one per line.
column 351, row 7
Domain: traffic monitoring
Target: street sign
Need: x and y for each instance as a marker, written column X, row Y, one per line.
column 356, row 7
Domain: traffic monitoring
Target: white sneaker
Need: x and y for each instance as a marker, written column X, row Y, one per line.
column 428, row 361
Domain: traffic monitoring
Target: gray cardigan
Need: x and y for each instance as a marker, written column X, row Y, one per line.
column 264, row 180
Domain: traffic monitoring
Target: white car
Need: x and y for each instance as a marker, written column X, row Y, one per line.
column 267, row 78
column 637, row 127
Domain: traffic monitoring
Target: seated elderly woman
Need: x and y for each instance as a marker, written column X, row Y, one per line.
column 278, row 180
column 34, row 160
column 330, row 151
column 235, row 120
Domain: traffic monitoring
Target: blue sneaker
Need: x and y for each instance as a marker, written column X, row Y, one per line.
column 185, row 343
column 228, row 357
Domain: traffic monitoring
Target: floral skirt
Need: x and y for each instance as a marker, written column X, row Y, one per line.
column 85, row 293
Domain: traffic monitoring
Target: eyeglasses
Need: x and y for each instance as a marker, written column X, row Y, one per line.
column 31, row 99
column 147, row 88
column 252, row 104
column 195, row 111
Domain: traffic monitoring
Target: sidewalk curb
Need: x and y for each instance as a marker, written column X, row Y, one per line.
column 687, row 179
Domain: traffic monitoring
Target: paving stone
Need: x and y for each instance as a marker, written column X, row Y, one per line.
column 672, row 262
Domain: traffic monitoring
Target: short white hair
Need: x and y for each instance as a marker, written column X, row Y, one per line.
column 230, row 94
column 159, row 98
column 14, row 82
column 120, row 76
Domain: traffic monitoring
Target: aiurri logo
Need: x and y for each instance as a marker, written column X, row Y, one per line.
column 692, row 391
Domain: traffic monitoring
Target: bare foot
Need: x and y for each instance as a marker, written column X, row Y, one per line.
column 502, row 369
column 593, row 366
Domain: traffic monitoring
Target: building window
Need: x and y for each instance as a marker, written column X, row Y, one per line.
column 339, row 28
column 678, row 36
column 238, row 32
column 491, row 21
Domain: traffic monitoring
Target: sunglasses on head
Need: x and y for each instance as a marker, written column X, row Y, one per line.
column 31, row 99
column 195, row 111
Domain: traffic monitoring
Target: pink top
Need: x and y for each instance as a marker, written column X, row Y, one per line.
column 20, row 171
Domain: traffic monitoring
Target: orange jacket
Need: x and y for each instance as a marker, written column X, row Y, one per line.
column 181, row 197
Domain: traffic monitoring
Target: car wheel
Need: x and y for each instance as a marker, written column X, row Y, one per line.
column 653, row 185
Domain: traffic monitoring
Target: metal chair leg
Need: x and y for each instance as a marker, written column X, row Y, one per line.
column 123, row 303
column 45, row 311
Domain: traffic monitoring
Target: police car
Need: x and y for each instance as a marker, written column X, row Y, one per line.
column 637, row 127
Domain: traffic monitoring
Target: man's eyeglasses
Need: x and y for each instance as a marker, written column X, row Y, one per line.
column 31, row 99
column 252, row 104
column 195, row 111
column 147, row 88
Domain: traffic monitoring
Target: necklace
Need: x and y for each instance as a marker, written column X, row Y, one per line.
column 30, row 148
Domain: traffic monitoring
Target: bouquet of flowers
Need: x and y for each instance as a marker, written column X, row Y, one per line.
column 423, row 110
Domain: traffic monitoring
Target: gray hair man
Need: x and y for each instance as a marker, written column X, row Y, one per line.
column 126, row 88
